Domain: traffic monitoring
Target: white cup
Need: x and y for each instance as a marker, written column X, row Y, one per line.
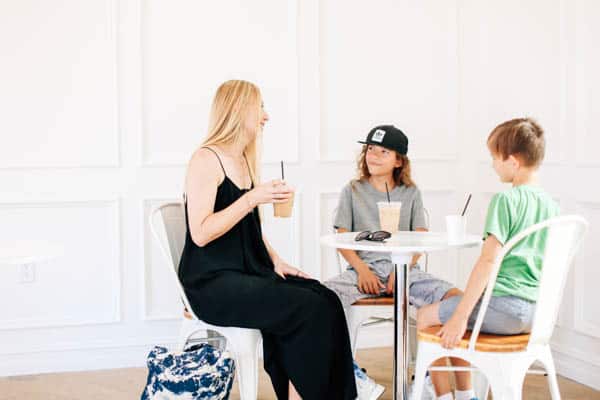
column 456, row 227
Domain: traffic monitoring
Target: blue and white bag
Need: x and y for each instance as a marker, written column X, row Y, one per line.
column 203, row 372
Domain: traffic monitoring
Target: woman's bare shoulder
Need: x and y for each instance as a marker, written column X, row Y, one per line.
column 205, row 163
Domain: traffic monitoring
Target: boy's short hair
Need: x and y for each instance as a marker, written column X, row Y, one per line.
column 519, row 137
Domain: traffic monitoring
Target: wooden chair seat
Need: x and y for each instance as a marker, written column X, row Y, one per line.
column 485, row 342
column 375, row 301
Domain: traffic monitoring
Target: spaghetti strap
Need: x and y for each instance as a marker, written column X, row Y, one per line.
column 218, row 158
column 249, row 173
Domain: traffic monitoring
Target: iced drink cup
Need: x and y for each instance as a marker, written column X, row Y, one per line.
column 389, row 215
column 284, row 210
column 456, row 227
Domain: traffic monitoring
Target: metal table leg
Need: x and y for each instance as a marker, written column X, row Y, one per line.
column 400, row 379
column 395, row 376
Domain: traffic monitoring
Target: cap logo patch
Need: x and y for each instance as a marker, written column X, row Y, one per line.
column 378, row 135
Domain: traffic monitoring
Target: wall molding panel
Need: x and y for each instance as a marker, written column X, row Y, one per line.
column 60, row 288
column 74, row 99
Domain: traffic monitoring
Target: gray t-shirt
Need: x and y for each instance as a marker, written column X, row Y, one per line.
column 357, row 211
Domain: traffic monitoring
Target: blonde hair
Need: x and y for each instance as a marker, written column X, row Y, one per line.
column 519, row 137
column 232, row 102
column 401, row 174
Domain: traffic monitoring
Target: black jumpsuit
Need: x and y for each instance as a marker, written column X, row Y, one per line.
column 231, row 282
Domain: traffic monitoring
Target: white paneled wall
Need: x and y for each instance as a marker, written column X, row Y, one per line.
column 216, row 41
column 373, row 70
column 103, row 103
column 59, row 84
column 66, row 290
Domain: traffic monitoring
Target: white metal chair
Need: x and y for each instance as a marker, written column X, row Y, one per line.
column 167, row 223
column 506, row 359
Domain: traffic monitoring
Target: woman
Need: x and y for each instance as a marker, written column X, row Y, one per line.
column 233, row 277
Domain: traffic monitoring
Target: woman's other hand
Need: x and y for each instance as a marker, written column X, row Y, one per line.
column 283, row 269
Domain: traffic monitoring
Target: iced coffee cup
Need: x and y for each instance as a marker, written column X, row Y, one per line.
column 284, row 210
column 389, row 215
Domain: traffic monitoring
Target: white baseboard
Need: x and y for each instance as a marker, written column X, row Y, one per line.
column 129, row 356
column 43, row 362
column 577, row 370
column 96, row 356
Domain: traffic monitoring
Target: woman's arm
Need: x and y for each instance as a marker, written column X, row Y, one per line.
column 454, row 329
column 203, row 178
column 272, row 253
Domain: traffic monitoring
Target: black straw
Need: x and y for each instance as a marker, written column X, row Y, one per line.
column 282, row 175
column 466, row 205
column 387, row 192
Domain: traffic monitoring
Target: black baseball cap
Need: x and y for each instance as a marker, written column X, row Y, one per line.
column 388, row 136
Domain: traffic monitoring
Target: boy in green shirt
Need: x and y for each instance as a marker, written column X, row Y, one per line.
column 517, row 149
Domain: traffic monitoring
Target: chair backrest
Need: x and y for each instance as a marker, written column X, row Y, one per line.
column 167, row 224
column 564, row 236
column 341, row 261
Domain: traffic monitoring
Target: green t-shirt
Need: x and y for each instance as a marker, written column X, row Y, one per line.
column 509, row 213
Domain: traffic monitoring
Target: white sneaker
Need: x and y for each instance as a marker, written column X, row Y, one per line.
column 366, row 388
column 428, row 390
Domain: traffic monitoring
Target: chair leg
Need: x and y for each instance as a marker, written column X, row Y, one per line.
column 548, row 362
column 185, row 330
column 248, row 375
column 506, row 377
column 245, row 348
column 425, row 356
column 480, row 385
column 354, row 323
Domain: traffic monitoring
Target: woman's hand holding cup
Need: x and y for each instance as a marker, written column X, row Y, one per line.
column 275, row 191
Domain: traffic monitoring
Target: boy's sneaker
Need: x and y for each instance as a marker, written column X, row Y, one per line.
column 366, row 388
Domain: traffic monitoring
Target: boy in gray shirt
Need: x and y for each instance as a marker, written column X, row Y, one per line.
column 383, row 163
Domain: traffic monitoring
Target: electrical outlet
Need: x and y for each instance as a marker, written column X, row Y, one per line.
column 27, row 273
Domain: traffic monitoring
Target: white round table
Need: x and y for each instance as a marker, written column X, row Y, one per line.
column 402, row 246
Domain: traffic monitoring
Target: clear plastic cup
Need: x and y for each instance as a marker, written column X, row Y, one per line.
column 389, row 215
column 284, row 210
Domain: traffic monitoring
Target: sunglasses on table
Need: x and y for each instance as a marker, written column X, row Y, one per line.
column 377, row 236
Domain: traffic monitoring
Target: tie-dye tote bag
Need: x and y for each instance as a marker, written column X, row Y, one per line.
column 203, row 372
